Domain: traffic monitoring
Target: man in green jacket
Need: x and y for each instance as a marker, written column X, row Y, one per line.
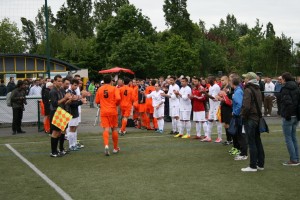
column 92, row 91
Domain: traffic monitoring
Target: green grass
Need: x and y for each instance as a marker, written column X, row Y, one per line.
column 148, row 167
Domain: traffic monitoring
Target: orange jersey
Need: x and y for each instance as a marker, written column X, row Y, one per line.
column 126, row 94
column 108, row 97
column 148, row 90
column 135, row 92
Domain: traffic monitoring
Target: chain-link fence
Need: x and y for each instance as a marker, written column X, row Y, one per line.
column 31, row 115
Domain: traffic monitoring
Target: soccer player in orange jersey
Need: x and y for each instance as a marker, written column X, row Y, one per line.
column 135, row 87
column 108, row 97
column 149, row 107
column 126, row 94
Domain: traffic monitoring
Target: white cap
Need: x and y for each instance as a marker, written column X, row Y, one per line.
column 102, row 82
column 49, row 84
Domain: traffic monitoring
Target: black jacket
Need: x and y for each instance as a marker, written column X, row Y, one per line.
column 46, row 100
column 11, row 86
column 3, row 90
column 18, row 98
column 289, row 99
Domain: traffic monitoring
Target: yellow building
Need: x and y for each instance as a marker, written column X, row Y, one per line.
column 23, row 66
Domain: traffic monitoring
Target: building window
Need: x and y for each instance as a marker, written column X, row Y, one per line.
column 9, row 64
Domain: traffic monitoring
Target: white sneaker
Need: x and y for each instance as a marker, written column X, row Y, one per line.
column 260, row 168
column 238, row 157
column 115, row 151
column 248, row 169
column 106, row 151
column 268, row 115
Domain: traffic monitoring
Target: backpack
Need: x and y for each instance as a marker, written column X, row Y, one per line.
column 8, row 99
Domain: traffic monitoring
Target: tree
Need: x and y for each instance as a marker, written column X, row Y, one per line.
column 40, row 22
column 76, row 17
column 28, row 29
column 177, row 57
column 110, row 32
column 178, row 19
column 11, row 38
column 134, row 52
column 270, row 33
column 105, row 9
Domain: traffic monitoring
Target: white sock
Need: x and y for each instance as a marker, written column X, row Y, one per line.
column 161, row 124
column 188, row 126
column 75, row 137
column 220, row 129
column 174, row 124
column 209, row 129
column 198, row 129
column 182, row 125
column 178, row 125
column 71, row 139
column 67, row 132
column 204, row 125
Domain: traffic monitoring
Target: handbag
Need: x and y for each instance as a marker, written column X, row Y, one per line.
column 262, row 124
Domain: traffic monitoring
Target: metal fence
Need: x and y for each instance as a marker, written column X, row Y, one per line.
column 31, row 115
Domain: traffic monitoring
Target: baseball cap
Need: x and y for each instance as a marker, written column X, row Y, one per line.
column 49, row 84
column 250, row 75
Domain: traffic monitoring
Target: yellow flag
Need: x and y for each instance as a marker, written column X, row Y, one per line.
column 61, row 118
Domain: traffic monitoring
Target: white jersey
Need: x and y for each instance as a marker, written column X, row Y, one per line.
column 214, row 91
column 173, row 101
column 156, row 97
column 184, row 101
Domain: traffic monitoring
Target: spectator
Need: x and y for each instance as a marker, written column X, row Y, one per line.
column 18, row 100
column 269, row 96
column 46, row 102
column 278, row 87
column 251, row 117
column 36, row 89
column 11, row 84
column 3, row 88
column 289, row 100
column 92, row 91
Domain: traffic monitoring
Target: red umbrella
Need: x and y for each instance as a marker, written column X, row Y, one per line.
column 116, row 70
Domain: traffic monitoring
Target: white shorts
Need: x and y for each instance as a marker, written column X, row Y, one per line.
column 174, row 111
column 160, row 112
column 185, row 115
column 74, row 121
column 199, row 116
column 212, row 114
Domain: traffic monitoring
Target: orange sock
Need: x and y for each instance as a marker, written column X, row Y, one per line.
column 115, row 138
column 147, row 119
column 47, row 124
column 105, row 137
column 144, row 120
column 155, row 123
column 124, row 124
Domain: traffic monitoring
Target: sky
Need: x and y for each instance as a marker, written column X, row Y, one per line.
column 284, row 15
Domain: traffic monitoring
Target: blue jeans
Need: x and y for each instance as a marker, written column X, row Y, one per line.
column 289, row 131
column 92, row 99
column 256, row 149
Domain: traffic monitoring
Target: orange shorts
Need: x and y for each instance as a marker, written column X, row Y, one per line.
column 149, row 109
column 142, row 108
column 126, row 111
column 109, row 121
column 136, row 106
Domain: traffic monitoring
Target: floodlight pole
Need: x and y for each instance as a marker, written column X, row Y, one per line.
column 47, row 39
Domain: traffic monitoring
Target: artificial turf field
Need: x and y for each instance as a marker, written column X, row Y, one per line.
column 149, row 166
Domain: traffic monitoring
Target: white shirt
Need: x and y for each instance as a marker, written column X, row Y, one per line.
column 184, row 101
column 173, row 101
column 35, row 91
column 214, row 91
column 78, row 94
column 269, row 87
column 156, row 98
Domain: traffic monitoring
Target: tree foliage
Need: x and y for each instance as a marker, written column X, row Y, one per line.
column 11, row 38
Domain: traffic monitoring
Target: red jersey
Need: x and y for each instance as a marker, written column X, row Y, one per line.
column 198, row 99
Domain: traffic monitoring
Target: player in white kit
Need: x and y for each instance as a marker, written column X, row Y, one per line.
column 214, row 104
column 173, row 105
column 158, row 103
column 185, row 108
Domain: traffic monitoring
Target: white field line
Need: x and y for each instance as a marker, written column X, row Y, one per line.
column 120, row 138
column 62, row 193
